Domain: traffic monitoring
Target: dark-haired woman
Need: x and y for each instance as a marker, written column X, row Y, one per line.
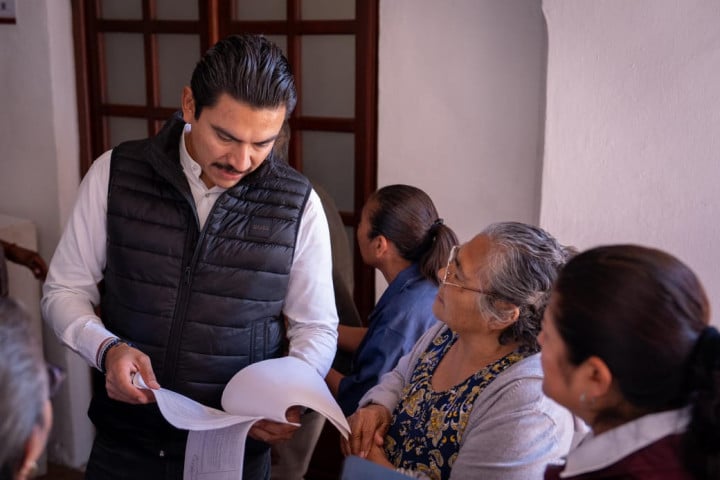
column 402, row 236
column 626, row 346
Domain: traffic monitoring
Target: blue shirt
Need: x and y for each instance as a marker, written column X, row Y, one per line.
column 402, row 315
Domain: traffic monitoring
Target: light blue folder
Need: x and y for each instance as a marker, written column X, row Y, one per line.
column 356, row 468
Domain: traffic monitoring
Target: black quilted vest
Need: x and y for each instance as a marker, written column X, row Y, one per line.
column 202, row 304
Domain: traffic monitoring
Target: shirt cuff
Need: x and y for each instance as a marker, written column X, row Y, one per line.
column 92, row 335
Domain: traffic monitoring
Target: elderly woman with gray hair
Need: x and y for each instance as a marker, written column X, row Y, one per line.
column 25, row 411
column 467, row 401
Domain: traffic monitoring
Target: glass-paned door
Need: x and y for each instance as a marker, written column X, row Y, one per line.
column 134, row 56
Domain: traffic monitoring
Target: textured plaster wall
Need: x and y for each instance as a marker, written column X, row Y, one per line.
column 461, row 107
column 632, row 151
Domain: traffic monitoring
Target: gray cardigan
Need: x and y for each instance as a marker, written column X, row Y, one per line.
column 514, row 430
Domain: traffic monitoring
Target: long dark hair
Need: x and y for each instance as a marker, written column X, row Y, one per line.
column 645, row 314
column 406, row 216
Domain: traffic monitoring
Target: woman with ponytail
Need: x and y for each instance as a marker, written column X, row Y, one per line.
column 627, row 347
column 400, row 234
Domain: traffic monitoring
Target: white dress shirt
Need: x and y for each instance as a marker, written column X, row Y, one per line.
column 70, row 291
column 597, row 452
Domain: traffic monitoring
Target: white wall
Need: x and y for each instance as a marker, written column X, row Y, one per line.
column 39, row 171
column 461, row 106
column 26, row 128
column 632, row 148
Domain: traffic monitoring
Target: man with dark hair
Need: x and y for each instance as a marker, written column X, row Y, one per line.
column 205, row 242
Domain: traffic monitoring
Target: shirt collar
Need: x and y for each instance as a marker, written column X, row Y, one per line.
column 406, row 277
column 597, row 452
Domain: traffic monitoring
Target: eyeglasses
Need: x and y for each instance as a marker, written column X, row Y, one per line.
column 452, row 260
column 56, row 376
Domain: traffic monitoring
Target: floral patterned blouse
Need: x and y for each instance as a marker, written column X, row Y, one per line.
column 427, row 428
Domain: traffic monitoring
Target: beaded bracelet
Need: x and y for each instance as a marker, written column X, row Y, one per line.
column 101, row 351
column 106, row 349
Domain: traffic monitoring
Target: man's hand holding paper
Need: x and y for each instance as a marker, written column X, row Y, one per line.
column 121, row 364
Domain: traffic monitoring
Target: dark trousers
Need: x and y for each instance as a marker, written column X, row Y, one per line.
column 112, row 459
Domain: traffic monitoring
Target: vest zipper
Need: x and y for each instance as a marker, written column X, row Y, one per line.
column 176, row 330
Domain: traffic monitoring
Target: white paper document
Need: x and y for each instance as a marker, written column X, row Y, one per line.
column 262, row 390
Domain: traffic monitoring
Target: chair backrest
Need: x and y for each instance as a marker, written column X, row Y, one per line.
column 342, row 261
column 342, row 274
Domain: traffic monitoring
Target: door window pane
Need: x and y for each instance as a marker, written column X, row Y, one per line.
column 121, row 129
column 328, row 75
column 260, row 10
column 177, row 56
column 125, row 68
column 327, row 9
column 176, row 9
column 329, row 160
column 121, row 9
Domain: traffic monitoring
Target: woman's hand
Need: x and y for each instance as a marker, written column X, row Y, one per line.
column 368, row 426
column 377, row 455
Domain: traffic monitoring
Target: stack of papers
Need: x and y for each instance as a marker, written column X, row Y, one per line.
column 262, row 390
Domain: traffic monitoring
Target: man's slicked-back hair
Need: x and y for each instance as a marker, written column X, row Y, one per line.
column 249, row 68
